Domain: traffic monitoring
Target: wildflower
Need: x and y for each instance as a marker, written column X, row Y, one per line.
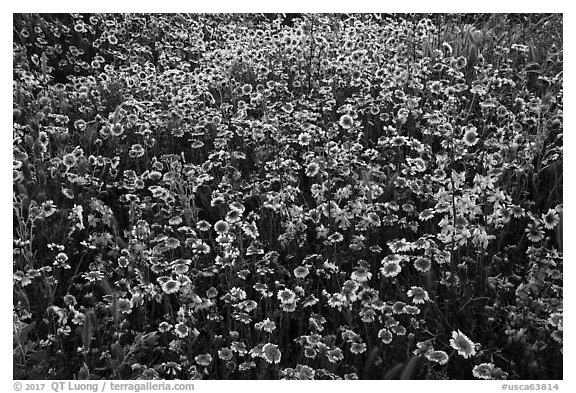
column 203, row 225
column 461, row 62
column 233, row 216
column 556, row 320
column 305, row 372
column 439, row 357
column 361, row 274
column 211, row 293
column 221, row 227
column 117, row 129
column 271, row 353
column 391, row 269
column 289, row 306
column 181, row 330
column 534, row 232
column 237, row 294
column 48, row 208
column 418, row 295
column 346, row 121
column 312, row 169
column 483, row 371
column 61, row 258
column 268, row 325
column 246, row 89
column 550, row 219
column 164, row 327
column 310, row 352
column 172, row 368
column 470, row 135
column 422, row 264
column 69, row 160
column 301, row 272
column 124, row 306
column 225, row 354
column 80, row 125
column 385, row 335
column 287, row 108
column 304, row 139
column 462, row 344
column 334, row 355
column 204, row 359
column 516, row 211
column 171, row 286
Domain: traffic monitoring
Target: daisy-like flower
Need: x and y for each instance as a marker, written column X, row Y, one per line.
column 346, row 121
column 225, row 354
column 301, row 272
column 69, row 160
column 246, row 89
column 180, row 268
column 171, row 286
column 164, row 327
column 465, row 347
column 516, row 211
column 268, row 325
column 305, row 372
column 286, row 296
column 211, row 293
column 310, row 352
column 483, row 371
column 80, row 125
column 237, row 206
column 550, row 219
column 271, row 353
column 385, row 335
column 334, row 355
column 48, row 208
column 204, row 359
column 534, row 232
column 304, row 139
column 181, row 330
column 422, row 264
column 470, row 135
column 117, row 129
column 312, row 169
column 287, row 108
column 237, row 294
column 289, row 307
column 361, row 274
column 124, row 306
column 400, row 245
column 233, row 216
column 439, row 357
column 221, row 227
column 556, row 320
column 418, row 295
column 250, row 229
column 391, row 269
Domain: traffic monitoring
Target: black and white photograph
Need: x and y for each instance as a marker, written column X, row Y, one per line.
column 288, row 196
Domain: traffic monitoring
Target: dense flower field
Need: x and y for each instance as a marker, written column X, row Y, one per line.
column 305, row 197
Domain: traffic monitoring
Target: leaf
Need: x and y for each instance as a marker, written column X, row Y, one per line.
column 84, row 372
column 394, row 372
column 410, row 368
column 371, row 360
